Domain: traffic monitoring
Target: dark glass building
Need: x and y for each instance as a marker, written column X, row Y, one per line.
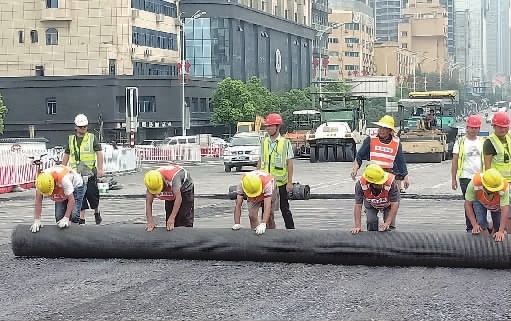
column 232, row 40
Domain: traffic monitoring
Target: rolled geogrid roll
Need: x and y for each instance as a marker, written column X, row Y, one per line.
column 455, row 249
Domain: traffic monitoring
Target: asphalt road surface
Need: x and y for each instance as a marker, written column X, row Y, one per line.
column 67, row 289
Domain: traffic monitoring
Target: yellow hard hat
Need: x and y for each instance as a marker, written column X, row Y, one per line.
column 386, row 121
column 375, row 174
column 153, row 180
column 252, row 185
column 492, row 180
column 45, row 183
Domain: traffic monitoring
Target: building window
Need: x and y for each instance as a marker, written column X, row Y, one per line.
column 112, row 66
column 39, row 70
column 147, row 104
column 203, row 105
column 333, row 40
column 208, row 46
column 333, row 53
column 333, row 67
column 156, row 6
column 144, row 68
column 404, row 33
column 352, row 26
column 21, row 36
column 351, row 54
column 350, row 67
column 52, row 3
column 404, row 45
column 154, row 38
column 51, row 106
column 195, row 105
column 52, row 37
column 33, row 36
column 351, row 40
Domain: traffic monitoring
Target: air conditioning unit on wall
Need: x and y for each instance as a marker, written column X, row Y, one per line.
column 159, row 17
column 134, row 13
column 148, row 52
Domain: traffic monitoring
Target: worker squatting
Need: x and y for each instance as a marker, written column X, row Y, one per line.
column 481, row 167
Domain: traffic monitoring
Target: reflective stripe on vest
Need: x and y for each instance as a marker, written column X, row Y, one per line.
column 383, row 154
column 86, row 151
column 493, row 204
column 168, row 173
column 461, row 154
column 275, row 161
column 497, row 161
column 265, row 179
column 381, row 200
column 58, row 172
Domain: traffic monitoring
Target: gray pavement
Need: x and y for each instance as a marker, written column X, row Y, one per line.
column 37, row 289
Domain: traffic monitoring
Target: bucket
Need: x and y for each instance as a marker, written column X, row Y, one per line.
column 103, row 188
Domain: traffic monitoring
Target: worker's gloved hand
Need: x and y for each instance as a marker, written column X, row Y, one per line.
column 36, row 226
column 63, row 223
column 261, row 228
column 236, row 227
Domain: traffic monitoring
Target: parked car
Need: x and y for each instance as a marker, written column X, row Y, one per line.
column 244, row 150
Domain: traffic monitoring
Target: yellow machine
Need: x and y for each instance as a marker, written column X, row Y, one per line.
column 250, row 126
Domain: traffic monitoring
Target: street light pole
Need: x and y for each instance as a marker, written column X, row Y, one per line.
column 196, row 15
column 320, row 47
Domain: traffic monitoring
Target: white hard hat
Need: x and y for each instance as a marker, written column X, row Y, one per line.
column 81, row 120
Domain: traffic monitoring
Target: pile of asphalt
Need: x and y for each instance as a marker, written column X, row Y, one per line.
column 68, row 289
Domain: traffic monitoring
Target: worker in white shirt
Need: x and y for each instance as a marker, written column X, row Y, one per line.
column 467, row 158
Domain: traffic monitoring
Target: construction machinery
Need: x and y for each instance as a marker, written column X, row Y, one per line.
column 302, row 125
column 437, row 142
column 343, row 126
column 250, row 126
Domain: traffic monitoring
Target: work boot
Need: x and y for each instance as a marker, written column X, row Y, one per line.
column 98, row 218
column 82, row 221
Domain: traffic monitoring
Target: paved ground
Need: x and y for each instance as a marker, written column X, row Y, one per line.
column 154, row 290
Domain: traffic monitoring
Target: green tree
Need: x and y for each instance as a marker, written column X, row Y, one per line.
column 295, row 99
column 3, row 112
column 231, row 103
column 264, row 100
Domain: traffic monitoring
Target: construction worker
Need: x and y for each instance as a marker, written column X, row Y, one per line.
column 377, row 191
column 174, row 185
column 384, row 149
column 467, row 158
column 84, row 154
column 261, row 191
column 496, row 149
column 277, row 159
column 65, row 187
column 488, row 192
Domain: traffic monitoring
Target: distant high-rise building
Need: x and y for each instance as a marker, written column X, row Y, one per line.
column 497, row 42
column 463, row 44
column 451, row 44
column 387, row 16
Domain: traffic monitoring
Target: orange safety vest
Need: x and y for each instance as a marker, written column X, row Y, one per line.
column 265, row 179
column 383, row 154
column 492, row 205
column 168, row 173
column 381, row 200
column 58, row 172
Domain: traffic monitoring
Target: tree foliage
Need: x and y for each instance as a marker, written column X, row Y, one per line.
column 3, row 113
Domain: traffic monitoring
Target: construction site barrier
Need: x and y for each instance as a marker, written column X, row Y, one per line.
column 182, row 153
column 17, row 170
column 212, row 151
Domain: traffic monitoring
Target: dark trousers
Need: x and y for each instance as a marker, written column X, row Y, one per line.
column 186, row 213
column 91, row 197
column 284, row 208
column 463, row 186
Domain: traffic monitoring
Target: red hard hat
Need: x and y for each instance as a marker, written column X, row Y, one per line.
column 474, row 121
column 273, row 119
column 500, row 119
